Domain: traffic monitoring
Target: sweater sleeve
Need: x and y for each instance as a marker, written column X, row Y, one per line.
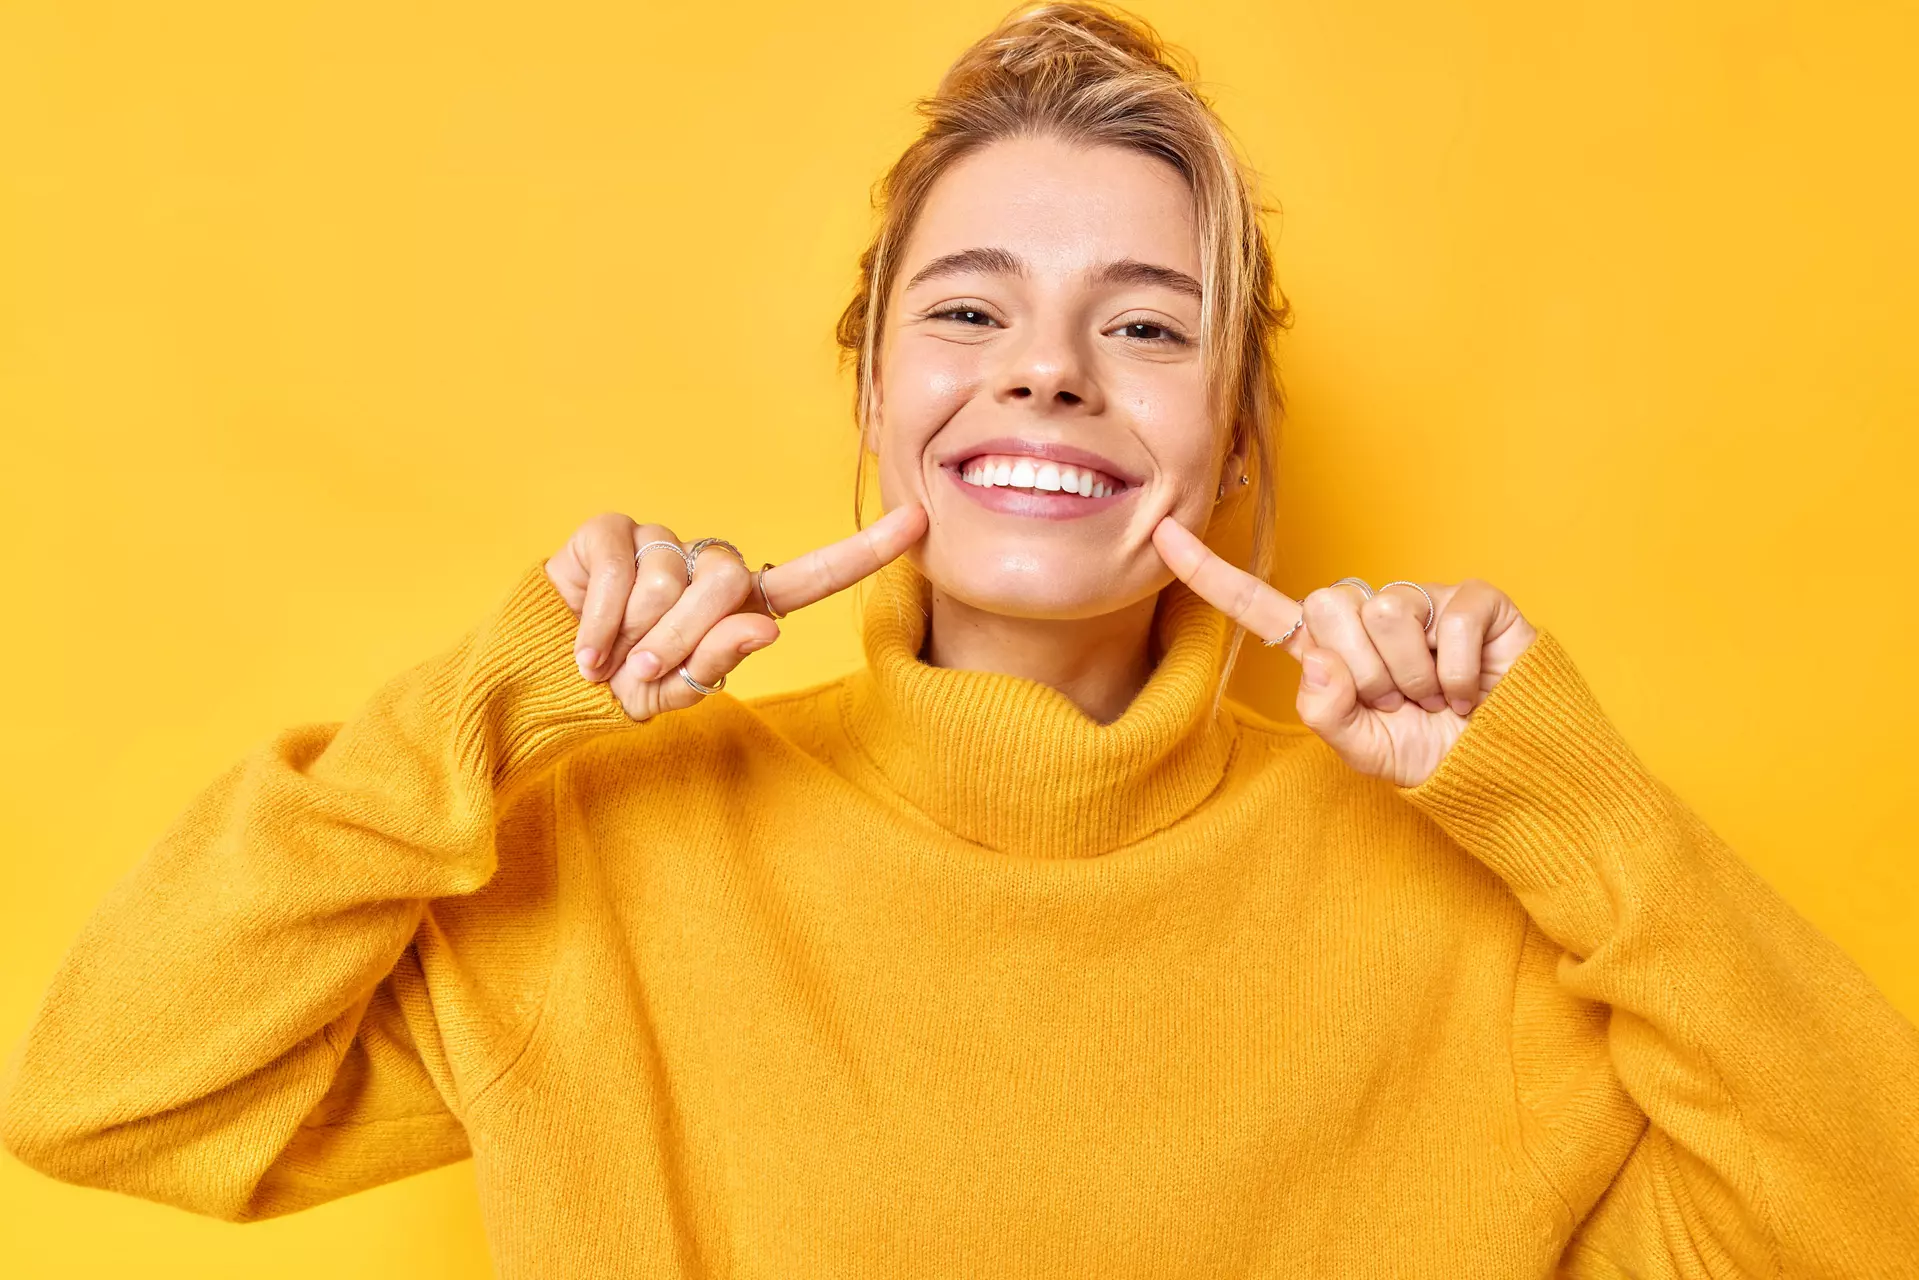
column 242, row 1027
column 1762, row 1093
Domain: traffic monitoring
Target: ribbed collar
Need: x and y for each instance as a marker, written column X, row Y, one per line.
column 1013, row 764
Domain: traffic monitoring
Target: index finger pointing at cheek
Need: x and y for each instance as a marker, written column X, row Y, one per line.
column 1253, row 604
column 796, row 583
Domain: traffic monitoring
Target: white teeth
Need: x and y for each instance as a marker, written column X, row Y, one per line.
column 1039, row 475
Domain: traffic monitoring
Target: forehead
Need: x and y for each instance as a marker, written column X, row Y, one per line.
column 1062, row 207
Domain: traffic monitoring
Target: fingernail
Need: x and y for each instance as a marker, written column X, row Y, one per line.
column 1391, row 701
column 1433, row 702
column 747, row 646
column 587, row 658
column 645, row 665
column 1316, row 673
column 1462, row 706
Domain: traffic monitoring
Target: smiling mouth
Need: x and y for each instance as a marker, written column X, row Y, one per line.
column 1037, row 488
column 1036, row 475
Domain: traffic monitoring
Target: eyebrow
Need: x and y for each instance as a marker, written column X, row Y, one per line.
column 994, row 261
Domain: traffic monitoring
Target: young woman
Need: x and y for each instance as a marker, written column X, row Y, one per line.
column 1019, row 950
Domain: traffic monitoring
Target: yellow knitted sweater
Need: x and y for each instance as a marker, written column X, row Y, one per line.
column 921, row 972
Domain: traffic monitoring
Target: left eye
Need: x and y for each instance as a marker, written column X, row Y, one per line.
column 1150, row 332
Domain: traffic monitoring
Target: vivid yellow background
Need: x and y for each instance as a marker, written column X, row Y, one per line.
column 319, row 322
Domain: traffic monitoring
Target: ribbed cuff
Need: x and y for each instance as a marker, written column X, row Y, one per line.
column 514, row 692
column 1541, row 784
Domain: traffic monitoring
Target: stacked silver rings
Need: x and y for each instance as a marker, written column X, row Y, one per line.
column 1361, row 584
column 690, row 554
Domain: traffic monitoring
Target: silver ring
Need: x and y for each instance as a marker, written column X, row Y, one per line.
column 1289, row 631
column 703, row 688
column 1430, row 611
column 675, row 547
column 693, row 553
column 759, row 580
column 1357, row 582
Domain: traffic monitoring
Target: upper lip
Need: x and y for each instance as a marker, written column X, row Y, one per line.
column 1053, row 451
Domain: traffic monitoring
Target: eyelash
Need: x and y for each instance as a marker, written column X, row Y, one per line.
column 1173, row 338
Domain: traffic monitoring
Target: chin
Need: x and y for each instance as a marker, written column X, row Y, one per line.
column 1032, row 581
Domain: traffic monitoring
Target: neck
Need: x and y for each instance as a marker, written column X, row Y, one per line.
column 1098, row 663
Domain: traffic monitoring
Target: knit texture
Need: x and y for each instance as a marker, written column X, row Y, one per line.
column 921, row 972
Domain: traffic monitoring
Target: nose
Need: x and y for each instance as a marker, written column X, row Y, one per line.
column 1050, row 367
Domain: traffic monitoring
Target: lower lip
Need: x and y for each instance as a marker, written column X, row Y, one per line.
column 1040, row 503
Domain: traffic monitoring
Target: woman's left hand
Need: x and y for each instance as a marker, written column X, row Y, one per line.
column 1388, row 695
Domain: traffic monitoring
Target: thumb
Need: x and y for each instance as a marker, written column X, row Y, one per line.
column 1329, row 700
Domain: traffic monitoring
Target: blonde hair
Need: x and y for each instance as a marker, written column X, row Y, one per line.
column 1095, row 74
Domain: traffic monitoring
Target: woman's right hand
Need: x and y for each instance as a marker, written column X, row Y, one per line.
column 640, row 622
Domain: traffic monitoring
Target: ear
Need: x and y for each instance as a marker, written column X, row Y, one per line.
column 1242, row 446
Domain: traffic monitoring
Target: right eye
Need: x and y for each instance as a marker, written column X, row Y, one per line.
column 965, row 315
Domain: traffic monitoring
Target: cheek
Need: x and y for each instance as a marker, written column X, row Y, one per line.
column 926, row 383
column 1167, row 407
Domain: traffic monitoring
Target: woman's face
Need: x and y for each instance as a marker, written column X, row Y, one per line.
column 1039, row 387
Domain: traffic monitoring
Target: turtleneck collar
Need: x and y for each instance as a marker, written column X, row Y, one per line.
column 1014, row 764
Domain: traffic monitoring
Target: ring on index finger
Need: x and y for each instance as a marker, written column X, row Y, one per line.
column 1289, row 631
column 759, row 580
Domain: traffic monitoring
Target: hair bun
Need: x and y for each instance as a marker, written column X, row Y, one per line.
column 1044, row 41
